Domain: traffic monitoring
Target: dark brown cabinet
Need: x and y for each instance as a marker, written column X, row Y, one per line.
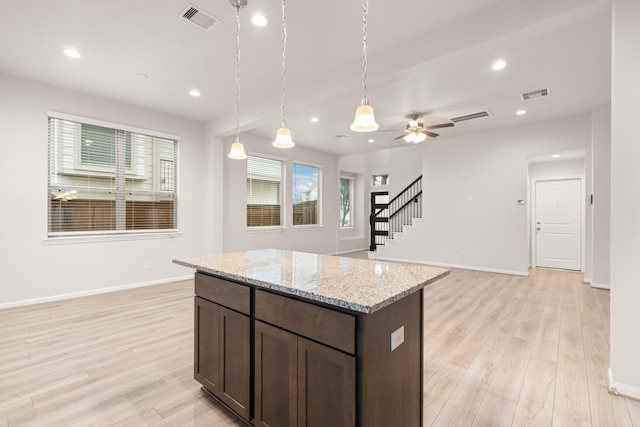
column 278, row 361
column 222, row 362
column 300, row 383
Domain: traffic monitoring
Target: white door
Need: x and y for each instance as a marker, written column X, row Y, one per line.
column 558, row 224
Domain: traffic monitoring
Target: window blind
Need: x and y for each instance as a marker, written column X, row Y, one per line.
column 306, row 192
column 264, row 192
column 106, row 181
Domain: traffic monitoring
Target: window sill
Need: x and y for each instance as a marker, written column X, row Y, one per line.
column 66, row 240
column 307, row 227
column 264, row 229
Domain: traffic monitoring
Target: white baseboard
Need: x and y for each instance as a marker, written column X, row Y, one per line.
column 72, row 295
column 460, row 267
column 619, row 389
column 351, row 251
column 596, row 285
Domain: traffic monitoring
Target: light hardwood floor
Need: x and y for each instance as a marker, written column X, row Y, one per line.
column 499, row 351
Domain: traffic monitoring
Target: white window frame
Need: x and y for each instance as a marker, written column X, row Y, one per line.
column 319, row 205
column 99, row 171
column 352, row 185
column 283, row 210
column 373, row 181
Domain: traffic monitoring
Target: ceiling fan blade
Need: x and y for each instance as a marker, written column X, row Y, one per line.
column 401, row 136
column 443, row 125
column 431, row 134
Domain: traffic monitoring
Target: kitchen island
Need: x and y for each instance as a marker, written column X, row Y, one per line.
column 288, row 338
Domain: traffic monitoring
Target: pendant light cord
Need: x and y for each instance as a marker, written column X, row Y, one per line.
column 284, row 51
column 365, row 11
column 238, row 73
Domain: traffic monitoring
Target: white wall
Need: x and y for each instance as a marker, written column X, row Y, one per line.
column 213, row 190
column 554, row 169
column 625, row 199
column 307, row 239
column 601, row 149
column 34, row 271
column 471, row 186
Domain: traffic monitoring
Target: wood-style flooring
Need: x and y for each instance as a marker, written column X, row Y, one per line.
column 499, row 351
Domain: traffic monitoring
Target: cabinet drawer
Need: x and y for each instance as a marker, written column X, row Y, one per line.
column 232, row 295
column 333, row 328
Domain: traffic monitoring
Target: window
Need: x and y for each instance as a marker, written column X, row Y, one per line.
column 379, row 180
column 346, row 202
column 306, row 192
column 264, row 192
column 106, row 180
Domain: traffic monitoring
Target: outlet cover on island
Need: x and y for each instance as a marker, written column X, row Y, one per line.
column 397, row 337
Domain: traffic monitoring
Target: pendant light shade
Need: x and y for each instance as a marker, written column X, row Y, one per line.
column 237, row 149
column 283, row 135
column 283, row 139
column 364, row 120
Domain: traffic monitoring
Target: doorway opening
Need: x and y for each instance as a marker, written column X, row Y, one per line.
column 557, row 216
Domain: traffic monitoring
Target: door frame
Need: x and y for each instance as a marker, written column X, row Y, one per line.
column 532, row 216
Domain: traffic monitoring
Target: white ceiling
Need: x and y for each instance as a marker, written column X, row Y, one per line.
column 429, row 56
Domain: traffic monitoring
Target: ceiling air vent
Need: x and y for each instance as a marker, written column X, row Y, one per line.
column 535, row 94
column 200, row 18
column 471, row 116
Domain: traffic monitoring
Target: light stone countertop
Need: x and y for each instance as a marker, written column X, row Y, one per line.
column 355, row 284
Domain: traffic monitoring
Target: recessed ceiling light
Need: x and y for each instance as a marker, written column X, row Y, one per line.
column 72, row 53
column 259, row 20
column 194, row 92
column 555, row 156
column 314, row 120
column 521, row 112
column 371, row 141
column 498, row 65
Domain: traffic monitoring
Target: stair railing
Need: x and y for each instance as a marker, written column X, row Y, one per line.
column 389, row 218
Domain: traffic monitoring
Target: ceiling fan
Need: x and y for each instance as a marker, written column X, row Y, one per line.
column 416, row 132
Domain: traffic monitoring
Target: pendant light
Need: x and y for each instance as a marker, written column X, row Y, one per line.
column 283, row 136
column 364, row 121
column 237, row 149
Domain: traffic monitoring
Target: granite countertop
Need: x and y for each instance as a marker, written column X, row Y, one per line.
column 355, row 284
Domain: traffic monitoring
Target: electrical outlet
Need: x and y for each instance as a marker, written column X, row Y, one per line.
column 147, row 265
column 397, row 337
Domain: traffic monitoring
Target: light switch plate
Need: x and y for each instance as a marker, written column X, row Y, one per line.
column 397, row 337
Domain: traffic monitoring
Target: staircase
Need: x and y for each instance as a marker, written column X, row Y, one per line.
column 389, row 219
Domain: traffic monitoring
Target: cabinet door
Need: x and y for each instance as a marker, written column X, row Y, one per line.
column 235, row 353
column 207, row 344
column 275, row 377
column 326, row 386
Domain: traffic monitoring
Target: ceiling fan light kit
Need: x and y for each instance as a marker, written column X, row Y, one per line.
column 415, row 137
column 416, row 132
